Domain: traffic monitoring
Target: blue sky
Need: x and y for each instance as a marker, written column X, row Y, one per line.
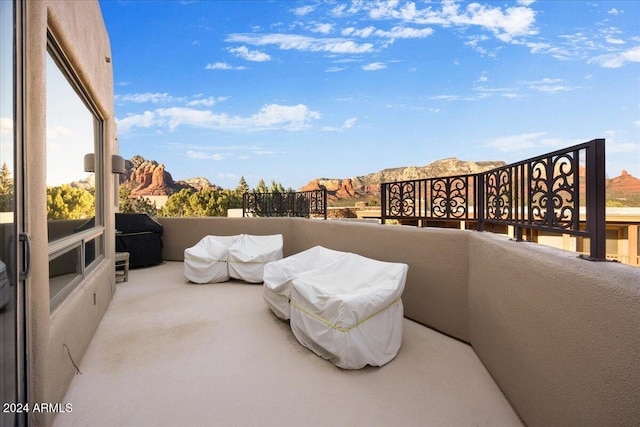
column 296, row 90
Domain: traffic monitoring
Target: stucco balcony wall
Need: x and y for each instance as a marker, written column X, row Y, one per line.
column 437, row 283
column 560, row 335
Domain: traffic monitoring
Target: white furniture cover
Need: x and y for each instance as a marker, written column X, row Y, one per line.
column 249, row 254
column 350, row 311
column 206, row 262
column 215, row 259
column 278, row 276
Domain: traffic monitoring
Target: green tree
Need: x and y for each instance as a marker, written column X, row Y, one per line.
column 207, row 202
column 276, row 187
column 138, row 205
column 144, row 205
column 261, row 187
column 6, row 189
column 242, row 187
column 125, row 200
column 67, row 202
column 178, row 204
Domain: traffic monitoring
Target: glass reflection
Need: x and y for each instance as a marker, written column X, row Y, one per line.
column 70, row 135
column 8, row 293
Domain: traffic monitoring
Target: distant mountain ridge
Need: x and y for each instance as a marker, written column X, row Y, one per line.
column 368, row 186
column 150, row 178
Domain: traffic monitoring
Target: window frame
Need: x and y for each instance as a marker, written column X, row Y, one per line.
column 96, row 234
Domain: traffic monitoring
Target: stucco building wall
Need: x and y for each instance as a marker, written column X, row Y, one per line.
column 79, row 29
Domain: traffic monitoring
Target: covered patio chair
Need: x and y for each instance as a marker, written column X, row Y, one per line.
column 249, row 254
column 350, row 311
column 206, row 262
column 278, row 276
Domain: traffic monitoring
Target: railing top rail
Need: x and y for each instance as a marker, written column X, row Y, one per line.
column 574, row 148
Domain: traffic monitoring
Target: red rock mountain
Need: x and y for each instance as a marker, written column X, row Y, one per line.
column 623, row 186
column 149, row 178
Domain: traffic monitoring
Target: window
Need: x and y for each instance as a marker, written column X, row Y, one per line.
column 74, row 177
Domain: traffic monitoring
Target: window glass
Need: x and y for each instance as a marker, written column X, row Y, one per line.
column 71, row 187
column 65, row 271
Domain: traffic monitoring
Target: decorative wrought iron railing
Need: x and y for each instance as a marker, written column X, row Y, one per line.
column 292, row 203
column 559, row 192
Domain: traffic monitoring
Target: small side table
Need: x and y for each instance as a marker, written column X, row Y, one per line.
column 122, row 266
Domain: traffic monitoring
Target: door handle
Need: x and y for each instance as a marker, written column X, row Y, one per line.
column 25, row 239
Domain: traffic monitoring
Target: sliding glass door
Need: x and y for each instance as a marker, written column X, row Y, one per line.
column 13, row 240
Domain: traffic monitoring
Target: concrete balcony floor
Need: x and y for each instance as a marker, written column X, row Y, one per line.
column 172, row 353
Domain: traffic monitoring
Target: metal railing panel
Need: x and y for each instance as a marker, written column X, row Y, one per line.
column 545, row 193
column 288, row 204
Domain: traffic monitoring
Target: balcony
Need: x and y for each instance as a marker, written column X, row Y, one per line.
column 170, row 353
column 497, row 332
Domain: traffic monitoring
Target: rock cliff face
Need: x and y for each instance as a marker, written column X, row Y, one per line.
column 369, row 185
column 623, row 186
column 149, row 178
column 336, row 188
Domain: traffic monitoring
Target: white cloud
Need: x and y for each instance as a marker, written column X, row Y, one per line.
column 364, row 32
column 304, row 10
column 206, row 102
column 145, row 120
column 548, row 85
column 223, row 66
column 302, row 43
column 180, row 116
column 199, row 155
column 505, row 24
column 456, row 98
column 323, row 28
column 157, row 97
column 612, row 40
column 516, row 142
column 374, row 66
column 295, row 117
column 400, row 32
column 619, row 59
column 396, row 32
column 348, row 124
column 514, row 21
column 334, row 69
column 615, row 11
column 270, row 117
column 6, row 126
column 141, row 98
column 250, row 55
